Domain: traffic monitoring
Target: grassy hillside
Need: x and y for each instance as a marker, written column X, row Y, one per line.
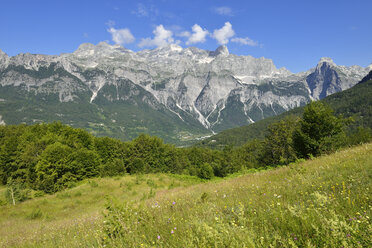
column 355, row 102
column 323, row 202
column 73, row 216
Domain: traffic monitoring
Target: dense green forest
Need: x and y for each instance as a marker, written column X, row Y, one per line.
column 50, row 157
column 355, row 102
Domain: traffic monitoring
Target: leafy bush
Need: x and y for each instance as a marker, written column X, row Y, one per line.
column 16, row 192
column 205, row 171
column 113, row 168
column 278, row 144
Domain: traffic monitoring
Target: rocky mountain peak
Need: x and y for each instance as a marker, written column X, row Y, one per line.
column 85, row 50
column 2, row 54
column 85, row 46
column 174, row 48
column 167, row 49
column 326, row 60
column 3, row 59
column 103, row 45
column 221, row 51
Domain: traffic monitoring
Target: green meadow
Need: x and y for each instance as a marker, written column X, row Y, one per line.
column 322, row 202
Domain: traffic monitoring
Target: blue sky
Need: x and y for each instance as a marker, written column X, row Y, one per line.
column 294, row 34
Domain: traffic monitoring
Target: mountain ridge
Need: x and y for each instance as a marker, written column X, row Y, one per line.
column 354, row 102
column 207, row 90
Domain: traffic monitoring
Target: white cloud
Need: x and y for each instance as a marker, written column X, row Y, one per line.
column 121, row 36
column 162, row 37
column 223, row 34
column 226, row 11
column 198, row 35
column 245, row 41
column 184, row 34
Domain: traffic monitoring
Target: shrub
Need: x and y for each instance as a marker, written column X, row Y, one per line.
column 320, row 131
column 205, row 171
column 16, row 192
column 111, row 168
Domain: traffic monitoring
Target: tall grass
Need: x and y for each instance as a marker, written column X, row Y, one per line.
column 73, row 218
column 319, row 203
column 323, row 202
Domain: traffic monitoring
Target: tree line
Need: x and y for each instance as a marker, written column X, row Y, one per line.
column 51, row 157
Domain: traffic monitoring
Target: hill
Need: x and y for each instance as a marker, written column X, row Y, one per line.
column 323, row 202
column 355, row 102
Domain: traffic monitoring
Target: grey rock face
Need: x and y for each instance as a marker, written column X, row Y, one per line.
column 215, row 89
column 3, row 59
column 328, row 78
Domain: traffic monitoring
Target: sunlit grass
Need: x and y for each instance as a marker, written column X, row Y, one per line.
column 68, row 217
column 320, row 203
column 323, row 202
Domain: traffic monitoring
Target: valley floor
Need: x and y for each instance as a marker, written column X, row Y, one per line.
column 323, row 202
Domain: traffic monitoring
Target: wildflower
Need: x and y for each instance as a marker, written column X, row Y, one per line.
column 172, row 232
column 174, row 203
column 158, row 236
column 175, row 228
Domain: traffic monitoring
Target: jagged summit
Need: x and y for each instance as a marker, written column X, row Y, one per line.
column 86, row 46
column 3, row 59
column 2, row 53
column 171, row 47
column 326, row 60
column 221, row 50
column 103, row 45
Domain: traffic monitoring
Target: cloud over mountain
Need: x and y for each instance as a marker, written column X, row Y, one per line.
column 245, row 41
column 162, row 37
column 223, row 34
column 198, row 35
column 121, row 36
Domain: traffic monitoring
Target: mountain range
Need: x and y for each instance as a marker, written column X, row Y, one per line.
column 179, row 94
column 355, row 102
